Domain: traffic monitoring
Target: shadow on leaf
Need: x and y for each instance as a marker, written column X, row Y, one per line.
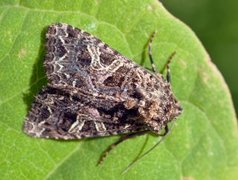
column 38, row 77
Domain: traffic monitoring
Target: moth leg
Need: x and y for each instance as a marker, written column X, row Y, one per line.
column 139, row 156
column 150, row 53
column 120, row 140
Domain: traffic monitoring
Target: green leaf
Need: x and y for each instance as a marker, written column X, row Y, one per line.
column 202, row 145
column 221, row 42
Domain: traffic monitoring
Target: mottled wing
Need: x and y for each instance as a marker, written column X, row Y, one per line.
column 57, row 115
column 83, row 65
column 76, row 59
column 95, row 91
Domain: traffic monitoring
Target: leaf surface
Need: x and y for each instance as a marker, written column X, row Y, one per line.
column 202, row 145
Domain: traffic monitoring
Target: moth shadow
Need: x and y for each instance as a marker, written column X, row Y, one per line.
column 108, row 139
column 38, row 77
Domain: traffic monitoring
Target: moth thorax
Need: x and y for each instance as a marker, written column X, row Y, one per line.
column 149, row 110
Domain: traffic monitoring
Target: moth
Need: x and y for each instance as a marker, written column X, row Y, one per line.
column 95, row 91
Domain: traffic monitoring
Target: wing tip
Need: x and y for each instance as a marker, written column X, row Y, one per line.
column 63, row 29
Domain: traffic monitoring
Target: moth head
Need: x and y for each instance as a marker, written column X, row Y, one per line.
column 159, row 108
column 172, row 108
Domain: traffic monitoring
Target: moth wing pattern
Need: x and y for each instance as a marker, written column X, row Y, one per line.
column 57, row 115
column 79, row 60
column 95, row 91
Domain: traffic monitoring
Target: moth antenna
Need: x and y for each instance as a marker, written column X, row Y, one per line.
column 168, row 76
column 150, row 52
column 167, row 67
column 147, row 152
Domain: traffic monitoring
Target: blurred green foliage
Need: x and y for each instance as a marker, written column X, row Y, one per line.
column 216, row 24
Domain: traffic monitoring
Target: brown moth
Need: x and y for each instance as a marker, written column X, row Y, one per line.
column 95, row 91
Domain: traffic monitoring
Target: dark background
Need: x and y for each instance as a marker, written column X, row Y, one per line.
column 215, row 22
